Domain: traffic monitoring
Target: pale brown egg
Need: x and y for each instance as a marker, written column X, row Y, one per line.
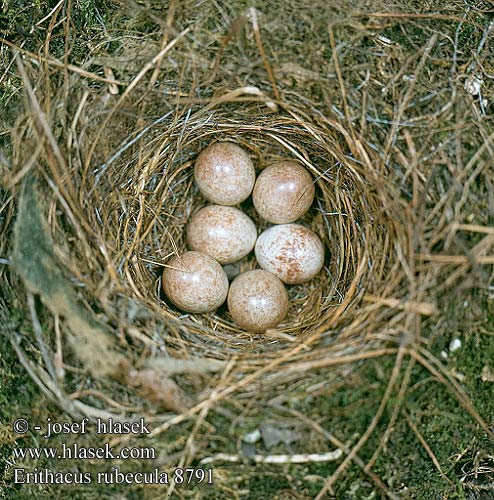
column 224, row 233
column 257, row 300
column 224, row 173
column 195, row 282
column 292, row 252
column 283, row 192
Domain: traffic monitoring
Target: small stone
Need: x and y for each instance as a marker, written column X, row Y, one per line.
column 454, row 345
column 252, row 437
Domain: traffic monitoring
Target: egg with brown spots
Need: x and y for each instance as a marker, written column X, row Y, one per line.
column 195, row 282
column 292, row 252
column 224, row 173
column 225, row 233
column 283, row 192
column 257, row 300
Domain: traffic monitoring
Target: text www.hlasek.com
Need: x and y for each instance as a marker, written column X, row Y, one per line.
column 75, row 451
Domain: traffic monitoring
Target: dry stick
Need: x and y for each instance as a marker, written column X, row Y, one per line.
column 9, row 65
column 456, row 259
column 267, row 65
column 453, row 387
column 298, row 458
column 410, row 15
column 169, row 22
column 406, row 98
column 389, row 389
column 427, row 448
column 55, row 62
column 235, row 27
column 406, row 305
column 52, row 11
column 66, row 76
column 58, row 356
column 27, row 365
column 44, row 382
column 473, row 228
column 41, row 121
column 38, row 332
column 349, row 358
column 43, row 130
column 10, row 182
column 46, row 73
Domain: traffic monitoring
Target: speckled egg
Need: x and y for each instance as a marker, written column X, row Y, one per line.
column 257, row 300
column 290, row 251
column 224, row 233
column 195, row 282
column 224, row 173
column 283, row 192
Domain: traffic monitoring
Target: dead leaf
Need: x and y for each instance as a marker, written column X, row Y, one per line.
column 158, row 390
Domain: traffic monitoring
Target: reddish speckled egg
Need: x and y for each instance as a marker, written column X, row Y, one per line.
column 225, row 233
column 292, row 252
column 257, row 300
column 224, row 173
column 195, row 282
column 283, row 192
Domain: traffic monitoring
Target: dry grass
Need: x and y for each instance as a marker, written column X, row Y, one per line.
column 101, row 179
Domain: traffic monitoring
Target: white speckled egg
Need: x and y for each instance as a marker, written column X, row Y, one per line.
column 225, row 233
column 290, row 251
column 283, row 192
column 224, row 173
column 195, row 282
column 257, row 300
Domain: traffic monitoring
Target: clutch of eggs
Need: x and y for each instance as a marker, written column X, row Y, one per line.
column 221, row 234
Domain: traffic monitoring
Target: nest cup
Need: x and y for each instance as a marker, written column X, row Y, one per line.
column 142, row 196
column 118, row 206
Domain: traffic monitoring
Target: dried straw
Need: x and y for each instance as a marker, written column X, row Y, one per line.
column 105, row 188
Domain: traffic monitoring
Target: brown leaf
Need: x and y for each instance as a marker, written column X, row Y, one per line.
column 158, row 390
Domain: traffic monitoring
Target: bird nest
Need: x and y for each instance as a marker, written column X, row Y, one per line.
column 106, row 199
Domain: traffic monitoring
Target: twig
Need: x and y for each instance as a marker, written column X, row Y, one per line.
column 39, row 338
column 341, row 83
column 330, row 456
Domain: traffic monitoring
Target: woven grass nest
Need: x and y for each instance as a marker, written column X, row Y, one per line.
column 116, row 205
